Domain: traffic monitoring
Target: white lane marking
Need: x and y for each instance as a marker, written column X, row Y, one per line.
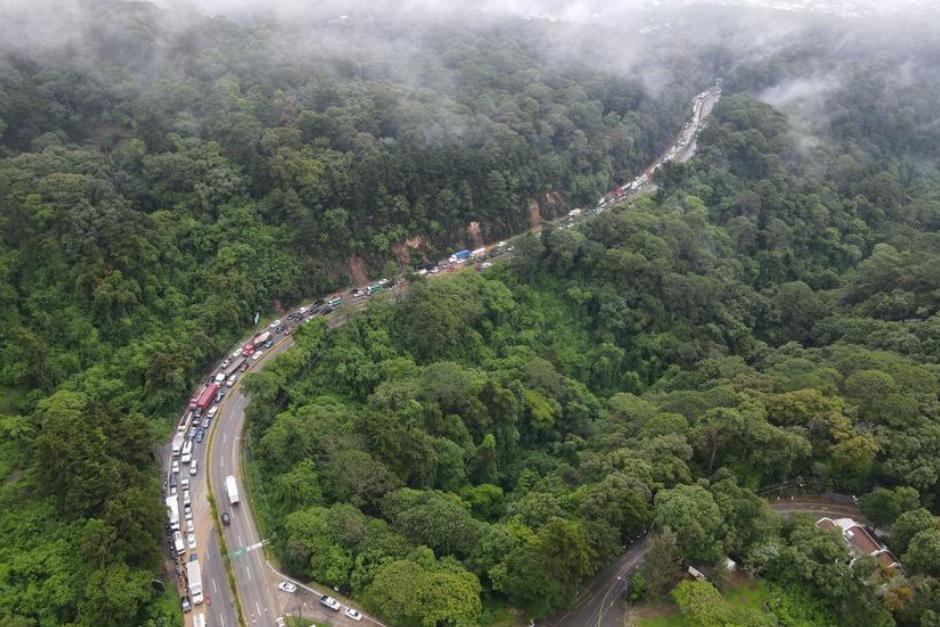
column 248, row 570
column 224, row 436
column 240, row 543
column 215, row 586
column 258, row 607
column 221, row 620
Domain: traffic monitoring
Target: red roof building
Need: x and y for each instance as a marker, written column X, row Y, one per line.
column 860, row 541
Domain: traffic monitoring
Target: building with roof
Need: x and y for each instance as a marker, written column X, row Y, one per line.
column 862, row 542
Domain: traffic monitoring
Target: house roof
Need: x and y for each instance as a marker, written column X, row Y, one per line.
column 860, row 540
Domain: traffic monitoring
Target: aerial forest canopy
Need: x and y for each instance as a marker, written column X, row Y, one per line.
column 495, row 439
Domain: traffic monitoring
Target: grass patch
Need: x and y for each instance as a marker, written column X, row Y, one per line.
column 296, row 621
column 744, row 597
column 498, row 615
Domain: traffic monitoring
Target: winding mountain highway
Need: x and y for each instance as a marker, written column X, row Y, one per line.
column 254, row 578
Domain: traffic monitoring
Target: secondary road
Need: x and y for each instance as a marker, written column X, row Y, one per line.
column 600, row 603
column 255, row 578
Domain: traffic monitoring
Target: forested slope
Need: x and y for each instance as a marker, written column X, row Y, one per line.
column 494, row 440
column 163, row 179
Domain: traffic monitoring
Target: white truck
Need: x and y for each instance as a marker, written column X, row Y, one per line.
column 178, row 440
column 187, row 452
column 178, row 543
column 195, row 580
column 232, row 488
column 173, row 512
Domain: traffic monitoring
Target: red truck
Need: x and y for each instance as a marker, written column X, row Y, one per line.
column 206, row 397
column 248, row 349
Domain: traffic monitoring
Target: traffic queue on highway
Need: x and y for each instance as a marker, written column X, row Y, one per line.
column 194, row 424
column 183, row 464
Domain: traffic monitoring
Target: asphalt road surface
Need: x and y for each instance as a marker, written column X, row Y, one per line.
column 256, row 579
column 600, row 603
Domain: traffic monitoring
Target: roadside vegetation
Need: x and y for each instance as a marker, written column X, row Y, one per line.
column 495, row 439
column 502, row 436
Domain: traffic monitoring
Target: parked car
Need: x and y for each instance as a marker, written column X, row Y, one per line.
column 188, row 512
column 185, row 604
column 330, row 602
column 226, row 519
column 200, row 434
column 353, row 614
column 184, row 483
column 175, row 468
column 287, row 586
column 194, row 468
column 190, row 527
column 275, row 324
column 191, row 541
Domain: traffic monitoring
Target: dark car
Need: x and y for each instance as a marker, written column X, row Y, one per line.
column 200, row 434
column 226, row 519
column 172, row 480
column 219, row 395
column 185, row 604
column 191, row 434
column 268, row 344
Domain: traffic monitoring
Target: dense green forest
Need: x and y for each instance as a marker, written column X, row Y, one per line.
column 162, row 180
column 495, row 439
column 772, row 312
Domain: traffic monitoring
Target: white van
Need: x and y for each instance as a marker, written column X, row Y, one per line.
column 178, row 543
column 199, row 620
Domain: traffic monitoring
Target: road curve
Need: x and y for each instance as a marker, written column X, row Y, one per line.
column 256, row 579
column 599, row 604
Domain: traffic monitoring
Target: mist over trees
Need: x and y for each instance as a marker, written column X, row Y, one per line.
column 494, row 440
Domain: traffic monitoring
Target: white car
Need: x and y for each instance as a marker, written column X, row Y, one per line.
column 188, row 512
column 191, row 541
column 187, row 498
column 237, row 353
column 184, row 483
column 330, row 602
column 353, row 614
column 172, row 490
column 176, row 467
column 190, row 527
column 194, row 468
column 212, row 411
column 287, row 586
column 257, row 355
column 280, row 622
column 219, row 378
column 274, row 324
